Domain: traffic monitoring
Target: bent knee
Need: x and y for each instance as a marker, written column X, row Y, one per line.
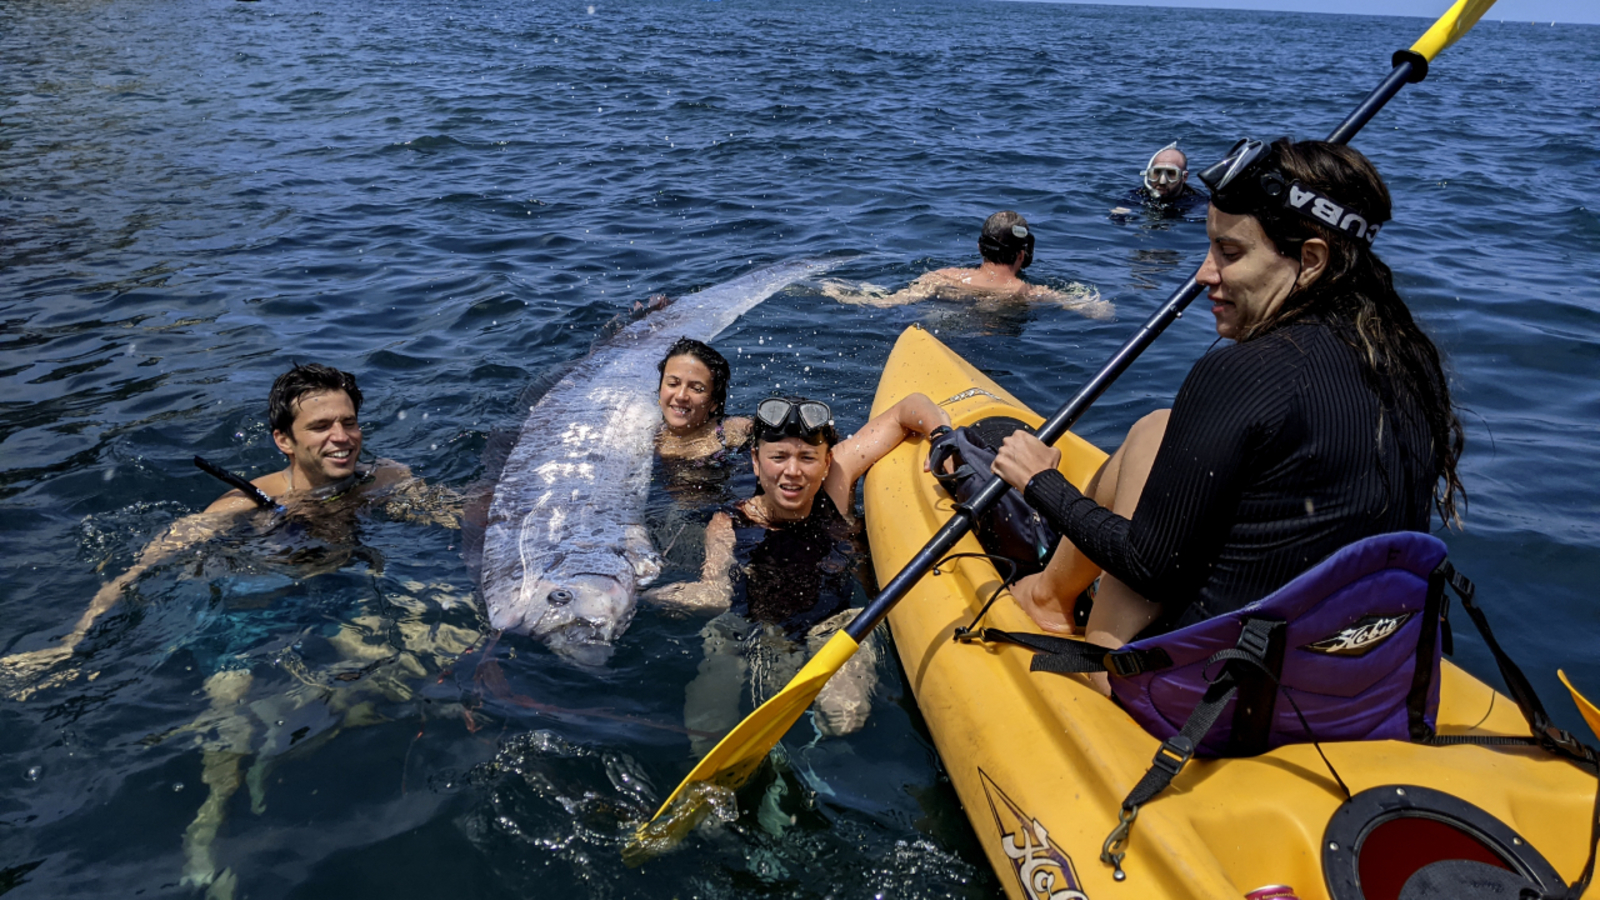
column 1152, row 425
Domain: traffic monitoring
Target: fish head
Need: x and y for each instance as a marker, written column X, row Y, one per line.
column 579, row 615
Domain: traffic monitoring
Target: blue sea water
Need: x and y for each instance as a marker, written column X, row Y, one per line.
column 452, row 198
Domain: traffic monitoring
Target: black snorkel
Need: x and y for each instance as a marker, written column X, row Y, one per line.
column 249, row 490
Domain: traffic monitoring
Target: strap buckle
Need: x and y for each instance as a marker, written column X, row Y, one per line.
column 1123, row 663
column 1173, row 754
column 1255, row 640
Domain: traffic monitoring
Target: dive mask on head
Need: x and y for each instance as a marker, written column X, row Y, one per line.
column 1019, row 240
column 1249, row 181
column 778, row 417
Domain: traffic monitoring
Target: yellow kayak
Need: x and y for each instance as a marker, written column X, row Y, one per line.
column 1042, row 762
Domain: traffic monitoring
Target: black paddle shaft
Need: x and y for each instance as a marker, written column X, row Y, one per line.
column 1409, row 68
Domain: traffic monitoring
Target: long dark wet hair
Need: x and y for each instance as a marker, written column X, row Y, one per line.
column 720, row 370
column 1356, row 294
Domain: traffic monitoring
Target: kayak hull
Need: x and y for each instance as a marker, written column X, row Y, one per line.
column 1042, row 762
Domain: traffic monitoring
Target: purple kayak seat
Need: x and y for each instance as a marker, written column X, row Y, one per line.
column 1349, row 647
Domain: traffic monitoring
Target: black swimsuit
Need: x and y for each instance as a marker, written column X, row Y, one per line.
column 793, row 574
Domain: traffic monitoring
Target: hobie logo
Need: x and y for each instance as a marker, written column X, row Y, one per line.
column 1043, row 869
column 1315, row 205
column 1360, row 637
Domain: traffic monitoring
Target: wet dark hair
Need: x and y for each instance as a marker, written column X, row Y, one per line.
column 827, row 435
column 1355, row 292
column 998, row 243
column 720, row 370
column 309, row 378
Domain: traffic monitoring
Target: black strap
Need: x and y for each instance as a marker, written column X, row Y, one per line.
column 1065, row 656
column 1250, row 653
column 1422, row 675
column 1545, row 733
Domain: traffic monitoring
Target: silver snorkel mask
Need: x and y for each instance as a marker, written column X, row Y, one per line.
column 1157, row 177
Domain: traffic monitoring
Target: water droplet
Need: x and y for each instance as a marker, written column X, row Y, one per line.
column 109, row 474
column 401, row 415
column 177, row 786
column 34, row 772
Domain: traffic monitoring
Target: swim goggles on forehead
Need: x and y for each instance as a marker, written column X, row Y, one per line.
column 791, row 418
column 1249, row 181
column 1020, row 239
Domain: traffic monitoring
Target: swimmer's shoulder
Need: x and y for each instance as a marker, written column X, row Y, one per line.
column 386, row 473
column 236, row 501
column 736, row 432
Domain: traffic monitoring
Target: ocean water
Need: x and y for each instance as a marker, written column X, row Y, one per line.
column 451, row 199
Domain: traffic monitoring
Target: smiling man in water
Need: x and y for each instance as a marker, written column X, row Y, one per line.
column 312, row 410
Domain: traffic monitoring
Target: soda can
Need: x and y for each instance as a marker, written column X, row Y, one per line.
column 1273, row 892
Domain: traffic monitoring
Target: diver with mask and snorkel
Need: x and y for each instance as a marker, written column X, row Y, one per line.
column 1166, row 193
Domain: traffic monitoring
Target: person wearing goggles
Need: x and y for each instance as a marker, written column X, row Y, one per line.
column 1006, row 246
column 1328, row 418
column 778, row 566
column 1166, row 192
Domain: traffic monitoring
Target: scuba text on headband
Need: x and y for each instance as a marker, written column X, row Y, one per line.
column 1020, row 240
column 1249, row 181
column 779, row 417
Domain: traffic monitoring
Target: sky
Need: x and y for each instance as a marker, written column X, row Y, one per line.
column 1542, row 11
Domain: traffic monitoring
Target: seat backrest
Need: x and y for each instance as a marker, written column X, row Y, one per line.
column 1350, row 652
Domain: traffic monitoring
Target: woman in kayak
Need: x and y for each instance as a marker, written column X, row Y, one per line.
column 779, row 566
column 1327, row 421
column 693, row 396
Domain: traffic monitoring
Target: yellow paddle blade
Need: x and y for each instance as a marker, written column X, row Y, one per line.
column 1591, row 713
column 1458, row 20
column 737, row 756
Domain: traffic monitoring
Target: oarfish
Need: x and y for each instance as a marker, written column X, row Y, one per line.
column 565, row 548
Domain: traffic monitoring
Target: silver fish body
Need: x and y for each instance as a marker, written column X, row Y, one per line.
column 565, row 548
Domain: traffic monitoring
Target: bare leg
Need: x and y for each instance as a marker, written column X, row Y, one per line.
column 1119, row 612
column 220, row 773
column 1048, row 597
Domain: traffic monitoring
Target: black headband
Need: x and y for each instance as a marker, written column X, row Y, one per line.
column 1250, row 181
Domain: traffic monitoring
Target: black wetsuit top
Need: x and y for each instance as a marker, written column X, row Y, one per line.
column 1188, row 203
column 1277, row 453
column 794, row 574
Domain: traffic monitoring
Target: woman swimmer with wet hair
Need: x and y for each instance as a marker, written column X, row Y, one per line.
column 778, row 565
column 1328, row 420
column 693, row 396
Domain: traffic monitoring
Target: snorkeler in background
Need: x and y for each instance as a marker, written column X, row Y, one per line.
column 312, row 410
column 1166, row 192
column 1006, row 247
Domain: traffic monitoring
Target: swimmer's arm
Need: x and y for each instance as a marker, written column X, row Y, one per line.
column 414, row 500
column 913, row 415
column 184, row 533
column 714, row 591
column 1080, row 298
column 917, row 291
column 736, row 431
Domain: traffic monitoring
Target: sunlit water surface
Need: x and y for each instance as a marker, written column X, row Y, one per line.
column 451, row 199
